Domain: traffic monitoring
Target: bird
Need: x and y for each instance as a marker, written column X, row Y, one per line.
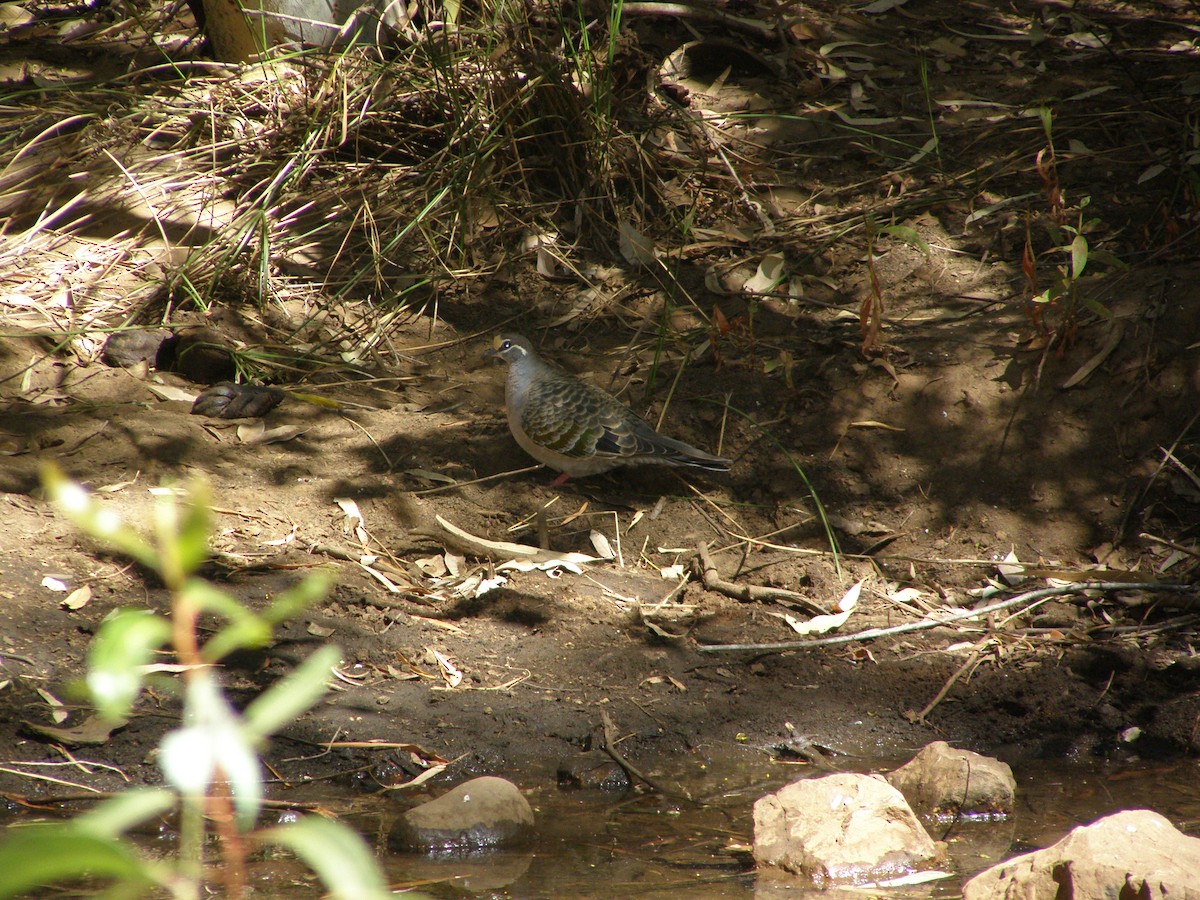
column 577, row 428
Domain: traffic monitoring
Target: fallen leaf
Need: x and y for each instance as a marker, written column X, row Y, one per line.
column 118, row 485
column 450, row 673
column 433, row 566
column 508, row 550
column 1010, row 568
column 78, row 598
column 93, row 731
column 170, row 392
column 822, row 624
column 769, row 275
column 603, row 548
column 636, row 248
column 59, row 709
column 871, row 423
column 430, row 476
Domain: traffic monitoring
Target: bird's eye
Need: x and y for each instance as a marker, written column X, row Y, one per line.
column 506, row 345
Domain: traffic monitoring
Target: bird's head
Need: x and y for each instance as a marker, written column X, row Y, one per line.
column 511, row 348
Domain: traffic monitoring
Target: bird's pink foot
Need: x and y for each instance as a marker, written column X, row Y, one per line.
column 562, row 479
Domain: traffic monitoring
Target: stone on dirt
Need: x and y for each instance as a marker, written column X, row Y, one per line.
column 841, row 829
column 479, row 814
column 1135, row 853
column 942, row 782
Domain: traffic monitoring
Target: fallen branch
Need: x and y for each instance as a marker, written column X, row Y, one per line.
column 465, row 542
column 925, row 624
column 973, row 660
column 711, row 578
column 635, row 774
column 762, row 30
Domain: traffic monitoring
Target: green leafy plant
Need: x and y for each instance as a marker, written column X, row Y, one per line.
column 211, row 764
column 1064, row 296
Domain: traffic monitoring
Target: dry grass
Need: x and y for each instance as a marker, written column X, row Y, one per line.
column 357, row 190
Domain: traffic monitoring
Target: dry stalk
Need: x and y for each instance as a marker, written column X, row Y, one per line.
column 1027, row 598
column 711, row 578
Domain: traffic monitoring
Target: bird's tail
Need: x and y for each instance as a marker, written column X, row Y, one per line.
column 677, row 453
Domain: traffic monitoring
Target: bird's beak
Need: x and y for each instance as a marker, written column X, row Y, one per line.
column 495, row 349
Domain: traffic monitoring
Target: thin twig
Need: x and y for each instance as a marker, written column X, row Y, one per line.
column 925, row 624
column 1136, row 501
column 747, row 593
column 462, row 484
column 610, row 747
column 973, row 660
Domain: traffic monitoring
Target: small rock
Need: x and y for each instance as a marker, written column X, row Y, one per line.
column 841, row 829
column 128, row 348
column 1136, row 853
column 478, row 814
column 943, row 783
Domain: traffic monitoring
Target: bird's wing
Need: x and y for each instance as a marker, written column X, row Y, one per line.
column 571, row 417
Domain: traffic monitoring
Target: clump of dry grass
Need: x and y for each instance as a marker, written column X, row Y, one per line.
column 342, row 179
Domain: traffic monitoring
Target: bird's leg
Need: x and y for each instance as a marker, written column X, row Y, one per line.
column 562, row 479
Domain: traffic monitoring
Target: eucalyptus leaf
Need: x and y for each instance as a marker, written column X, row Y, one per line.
column 339, row 856
column 295, row 600
column 291, row 696
column 126, row 641
column 38, row 855
column 194, row 530
column 94, row 518
column 245, row 629
column 116, row 815
column 1079, row 255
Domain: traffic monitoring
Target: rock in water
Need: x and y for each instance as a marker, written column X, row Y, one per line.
column 478, row 814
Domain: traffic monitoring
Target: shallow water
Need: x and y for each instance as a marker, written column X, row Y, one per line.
column 653, row 848
column 646, row 846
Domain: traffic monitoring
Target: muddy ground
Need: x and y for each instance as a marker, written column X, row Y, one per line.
column 951, row 444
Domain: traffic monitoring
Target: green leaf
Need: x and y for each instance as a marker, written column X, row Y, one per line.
column 296, row 599
column 1097, row 307
column 38, row 855
column 339, row 856
column 126, row 641
column 1047, row 118
column 909, row 235
column 93, row 518
column 245, row 629
column 288, row 698
column 194, row 530
column 1105, row 258
column 1079, row 256
column 1046, row 296
column 113, row 817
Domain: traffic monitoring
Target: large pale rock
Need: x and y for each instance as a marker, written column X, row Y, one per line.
column 944, row 783
column 478, row 814
column 841, row 829
column 1136, row 854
